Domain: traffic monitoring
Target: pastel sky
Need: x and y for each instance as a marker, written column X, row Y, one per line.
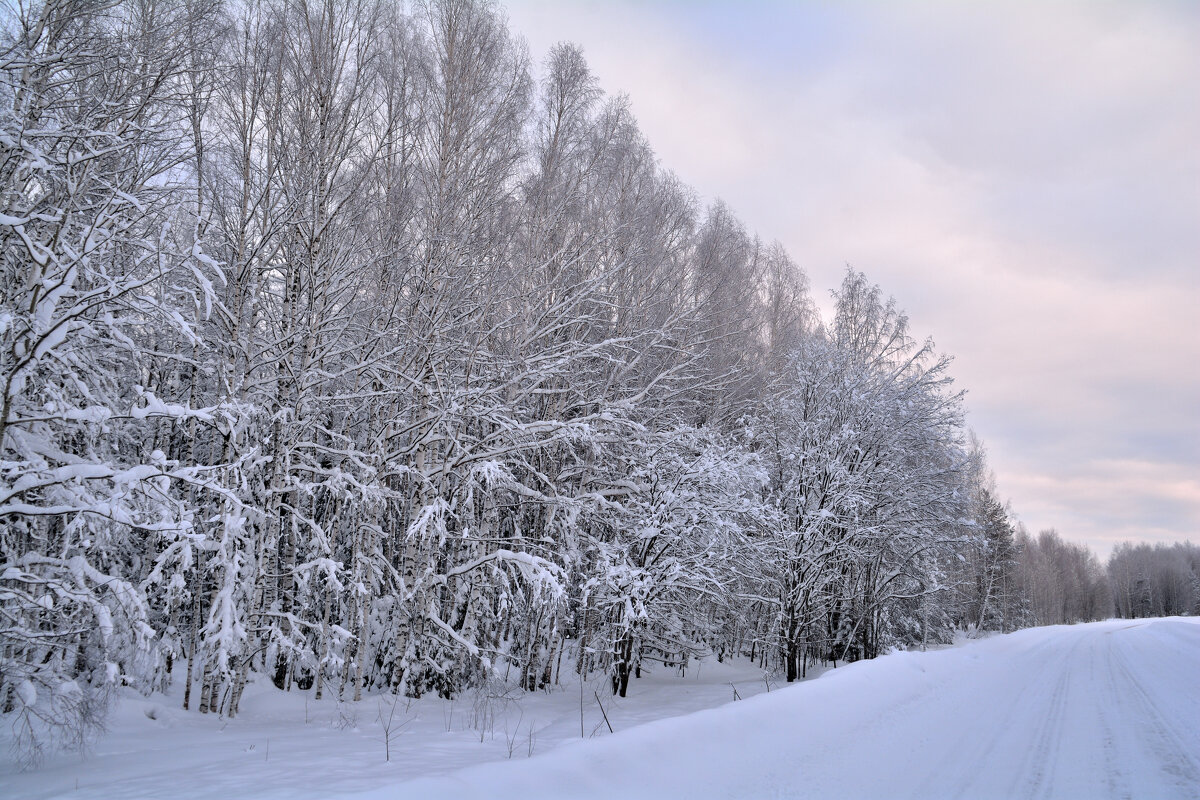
column 1024, row 178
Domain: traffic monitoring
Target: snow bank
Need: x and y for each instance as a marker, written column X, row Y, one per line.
column 1104, row 710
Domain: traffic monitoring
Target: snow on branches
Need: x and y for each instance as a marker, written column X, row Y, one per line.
column 337, row 351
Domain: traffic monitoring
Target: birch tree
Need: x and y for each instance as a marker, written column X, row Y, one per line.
column 90, row 140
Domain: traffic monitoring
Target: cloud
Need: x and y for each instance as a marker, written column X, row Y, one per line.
column 1113, row 500
column 1023, row 177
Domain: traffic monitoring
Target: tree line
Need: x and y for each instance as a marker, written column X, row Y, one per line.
column 337, row 349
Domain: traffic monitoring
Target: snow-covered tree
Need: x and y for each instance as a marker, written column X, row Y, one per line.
column 863, row 444
column 91, row 140
column 338, row 352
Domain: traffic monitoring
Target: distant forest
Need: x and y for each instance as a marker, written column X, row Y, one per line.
column 338, row 350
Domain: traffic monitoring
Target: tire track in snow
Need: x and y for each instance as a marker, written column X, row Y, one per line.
column 1176, row 757
column 1041, row 759
column 965, row 758
column 966, row 753
column 1114, row 779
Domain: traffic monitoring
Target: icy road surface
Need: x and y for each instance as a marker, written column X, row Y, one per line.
column 1109, row 709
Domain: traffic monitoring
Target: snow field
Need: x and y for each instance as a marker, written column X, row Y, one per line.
column 288, row 745
column 1107, row 709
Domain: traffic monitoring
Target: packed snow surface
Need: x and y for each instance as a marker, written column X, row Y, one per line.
column 1108, row 709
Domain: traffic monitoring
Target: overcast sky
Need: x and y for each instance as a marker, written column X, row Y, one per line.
column 1024, row 178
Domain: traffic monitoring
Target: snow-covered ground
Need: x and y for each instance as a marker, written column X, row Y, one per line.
column 288, row 745
column 1109, row 709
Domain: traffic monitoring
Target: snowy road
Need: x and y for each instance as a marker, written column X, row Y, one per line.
column 1109, row 709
